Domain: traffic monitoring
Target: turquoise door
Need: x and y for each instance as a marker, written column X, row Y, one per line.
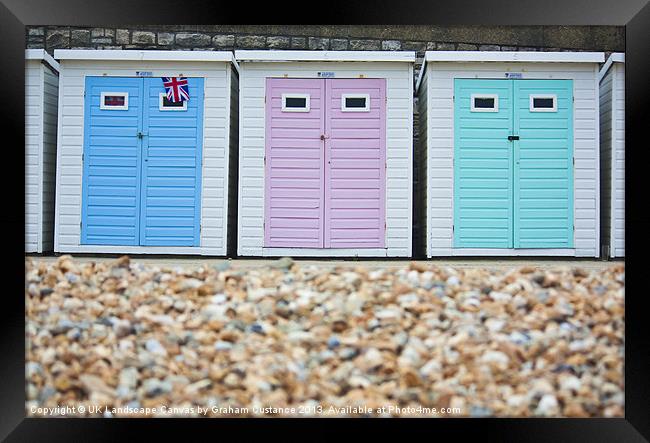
column 513, row 167
column 141, row 164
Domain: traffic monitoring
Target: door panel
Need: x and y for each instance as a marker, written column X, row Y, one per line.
column 482, row 164
column 355, row 163
column 294, row 171
column 111, row 166
column 171, row 168
column 519, row 193
column 543, row 180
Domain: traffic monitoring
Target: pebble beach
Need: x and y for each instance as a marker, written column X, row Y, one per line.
column 125, row 339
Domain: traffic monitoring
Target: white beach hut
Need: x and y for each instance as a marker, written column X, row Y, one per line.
column 325, row 153
column 41, row 98
column 137, row 173
column 612, row 156
column 509, row 143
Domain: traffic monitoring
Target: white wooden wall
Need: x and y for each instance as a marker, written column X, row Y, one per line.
column 41, row 97
column 216, row 129
column 440, row 152
column 50, row 113
column 612, row 151
column 33, row 154
column 399, row 151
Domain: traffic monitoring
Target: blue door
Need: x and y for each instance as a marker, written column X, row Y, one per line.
column 513, row 163
column 141, row 164
column 483, row 164
column 171, row 170
column 543, row 192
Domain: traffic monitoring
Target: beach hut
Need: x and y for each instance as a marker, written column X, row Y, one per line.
column 136, row 172
column 510, row 143
column 325, row 153
column 41, row 97
column 612, row 156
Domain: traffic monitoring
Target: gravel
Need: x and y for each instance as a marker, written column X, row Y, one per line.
column 515, row 342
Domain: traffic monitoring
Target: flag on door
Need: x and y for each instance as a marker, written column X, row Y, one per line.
column 176, row 88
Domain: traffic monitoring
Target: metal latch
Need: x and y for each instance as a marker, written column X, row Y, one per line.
column 513, row 137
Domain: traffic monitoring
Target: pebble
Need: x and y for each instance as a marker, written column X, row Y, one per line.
column 513, row 343
column 154, row 346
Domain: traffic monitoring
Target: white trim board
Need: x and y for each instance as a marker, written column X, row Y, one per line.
column 514, row 56
column 476, row 252
column 314, row 252
column 324, row 56
column 615, row 57
column 145, row 55
column 41, row 54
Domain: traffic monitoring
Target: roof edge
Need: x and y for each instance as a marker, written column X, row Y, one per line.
column 514, row 56
column 614, row 57
column 42, row 54
column 336, row 56
column 144, row 55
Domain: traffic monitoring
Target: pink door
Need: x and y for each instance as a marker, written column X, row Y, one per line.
column 355, row 163
column 325, row 163
column 294, row 163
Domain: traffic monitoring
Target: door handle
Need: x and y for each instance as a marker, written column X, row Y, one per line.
column 141, row 136
column 323, row 137
column 513, row 137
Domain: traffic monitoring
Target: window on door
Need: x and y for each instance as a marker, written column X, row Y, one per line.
column 543, row 103
column 164, row 104
column 485, row 103
column 114, row 101
column 355, row 102
column 295, row 102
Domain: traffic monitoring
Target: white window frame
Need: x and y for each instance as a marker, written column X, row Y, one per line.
column 307, row 98
column 123, row 107
column 532, row 101
column 355, row 95
column 493, row 96
column 161, row 104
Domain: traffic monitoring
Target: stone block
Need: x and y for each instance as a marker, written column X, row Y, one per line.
column 165, row 38
column 143, row 38
column 80, row 37
column 193, row 40
column 339, row 44
column 391, row 45
column 365, row 45
column 318, row 43
column 298, row 43
column 122, row 36
column 278, row 42
column 250, row 41
column 223, row 41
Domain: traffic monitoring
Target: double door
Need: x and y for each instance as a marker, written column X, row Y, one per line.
column 141, row 163
column 513, row 163
column 325, row 163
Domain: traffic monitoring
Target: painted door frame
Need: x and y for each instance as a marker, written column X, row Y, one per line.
column 324, row 225
column 142, row 151
column 514, row 157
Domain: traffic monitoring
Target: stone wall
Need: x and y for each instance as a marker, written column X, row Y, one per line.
column 417, row 38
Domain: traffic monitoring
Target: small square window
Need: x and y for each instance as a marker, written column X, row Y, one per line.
column 165, row 105
column 543, row 103
column 295, row 102
column 484, row 103
column 355, row 102
column 114, row 101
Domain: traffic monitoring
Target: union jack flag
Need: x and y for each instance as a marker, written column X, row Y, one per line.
column 176, row 88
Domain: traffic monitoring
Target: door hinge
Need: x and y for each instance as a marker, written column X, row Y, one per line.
column 453, row 228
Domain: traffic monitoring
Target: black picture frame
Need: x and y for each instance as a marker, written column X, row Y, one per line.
column 633, row 14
